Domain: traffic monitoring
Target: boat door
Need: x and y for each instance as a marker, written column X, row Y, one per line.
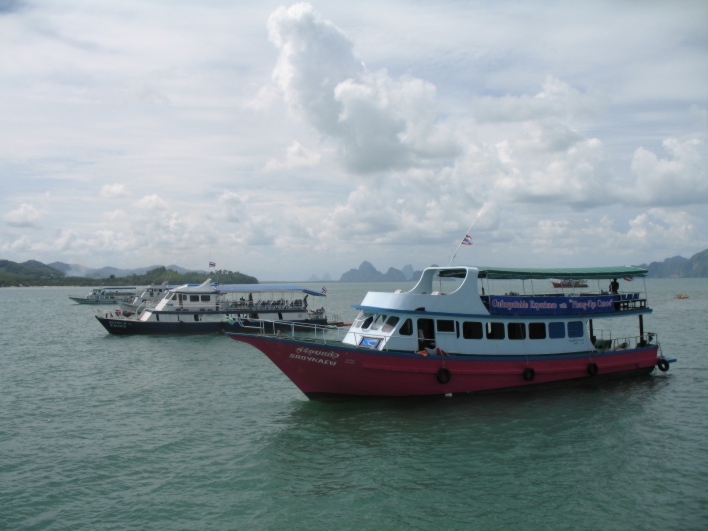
column 426, row 333
column 181, row 305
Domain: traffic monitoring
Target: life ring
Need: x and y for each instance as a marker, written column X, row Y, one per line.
column 663, row 365
column 592, row 369
column 529, row 374
column 443, row 375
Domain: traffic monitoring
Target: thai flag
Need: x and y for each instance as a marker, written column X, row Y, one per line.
column 324, row 290
column 212, row 264
column 467, row 240
column 628, row 279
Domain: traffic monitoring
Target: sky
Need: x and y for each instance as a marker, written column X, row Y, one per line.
column 286, row 140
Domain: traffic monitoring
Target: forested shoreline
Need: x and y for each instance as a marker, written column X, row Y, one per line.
column 34, row 273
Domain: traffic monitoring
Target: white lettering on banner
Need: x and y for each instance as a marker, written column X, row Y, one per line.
column 511, row 304
column 312, row 352
column 584, row 304
column 313, row 360
column 543, row 305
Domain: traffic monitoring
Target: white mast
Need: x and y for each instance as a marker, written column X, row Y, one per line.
column 475, row 219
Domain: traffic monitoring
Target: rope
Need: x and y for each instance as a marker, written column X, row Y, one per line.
column 165, row 376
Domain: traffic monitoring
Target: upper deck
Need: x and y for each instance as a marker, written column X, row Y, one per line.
column 468, row 291
column 232, row 298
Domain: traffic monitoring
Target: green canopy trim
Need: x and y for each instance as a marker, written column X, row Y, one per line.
column 586, row 273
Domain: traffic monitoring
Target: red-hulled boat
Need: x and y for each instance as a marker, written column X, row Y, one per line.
column 425, row 342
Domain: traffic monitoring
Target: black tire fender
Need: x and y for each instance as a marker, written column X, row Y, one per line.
column 663, row 365
column 443, row 375
column 529, row 374
column 592, row 369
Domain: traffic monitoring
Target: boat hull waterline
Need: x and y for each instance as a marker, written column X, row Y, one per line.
column 84, row 300
column 325, row 370
column 129, row 327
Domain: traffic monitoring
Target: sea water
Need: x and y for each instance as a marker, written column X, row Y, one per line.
column 104, row 432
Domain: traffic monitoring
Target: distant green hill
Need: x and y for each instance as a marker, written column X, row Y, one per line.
column 33, row 273
column 161, row 274
column 680, row 267
column 14, row 274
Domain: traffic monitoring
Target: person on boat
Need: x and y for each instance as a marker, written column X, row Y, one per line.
column 614, row 286
column 427, row 351
column 304, row 301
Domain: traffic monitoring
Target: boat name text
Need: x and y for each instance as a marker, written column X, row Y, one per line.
column 305, row 350
column 314, row 360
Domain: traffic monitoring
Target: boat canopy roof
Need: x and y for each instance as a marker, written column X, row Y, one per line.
column 586, row 273
column 255, row 288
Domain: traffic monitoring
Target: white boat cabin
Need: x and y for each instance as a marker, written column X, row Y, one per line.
column 188, row 302
column 469, row 320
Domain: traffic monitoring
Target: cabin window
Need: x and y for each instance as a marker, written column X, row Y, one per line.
column 194, row 298
column 206, row 298
column 556, row 330
column 516, row 330
column 537, row 330
column 445, row 325
column 426, row 333
column 359, row 319
column 472, row 330
column 367, row 322
column 575, row 329
column 378, row 322
column 495, row 330
column 406, row 328
column 390, row 324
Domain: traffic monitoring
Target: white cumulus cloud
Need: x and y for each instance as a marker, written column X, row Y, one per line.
column 111, row 191
column 679, row 179
column 25, row 216
column 298, row 156
column 557, row 99
column 232, row 207
column 151, row 202
column 380, row 123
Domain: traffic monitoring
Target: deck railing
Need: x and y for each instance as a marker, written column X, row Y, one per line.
column 603, row 344
column 241, row 307
column 300, row 331
column 323, row 334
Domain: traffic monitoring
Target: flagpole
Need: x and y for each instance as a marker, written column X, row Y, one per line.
column 475, row 219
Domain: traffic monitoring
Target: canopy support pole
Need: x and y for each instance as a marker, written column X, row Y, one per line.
column 592, row 336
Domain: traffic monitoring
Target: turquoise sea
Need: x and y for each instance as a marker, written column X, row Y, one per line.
column 101, row 432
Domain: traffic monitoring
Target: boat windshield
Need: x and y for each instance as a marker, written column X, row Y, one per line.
column 378, row 322
column 368, row 318
column 360, row 319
